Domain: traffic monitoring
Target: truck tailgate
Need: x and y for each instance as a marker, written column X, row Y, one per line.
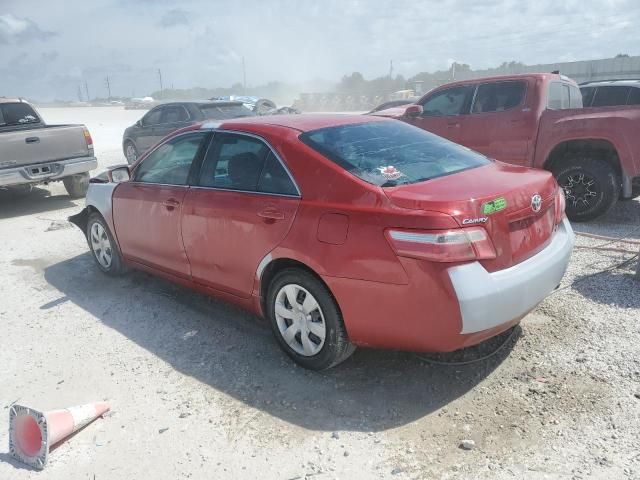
column 41, row 145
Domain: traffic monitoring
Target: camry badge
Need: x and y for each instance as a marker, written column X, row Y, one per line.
column 536, row 203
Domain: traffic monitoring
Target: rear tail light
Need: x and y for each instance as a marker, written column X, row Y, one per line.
column 458, row 245
column 560, row 205
column 87, row 137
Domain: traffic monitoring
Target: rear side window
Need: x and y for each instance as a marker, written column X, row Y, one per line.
column 634, row 96
column 275, row 179
column 17, row 114
column 452, row 101
column 390, row 153
column 498, row 96
column 223, row 112
column 559, row 96
column 611, row 96
column 575, row 97
column 587, row 95
column 174, row 114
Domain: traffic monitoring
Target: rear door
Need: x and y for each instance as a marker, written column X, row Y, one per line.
column 147, row 209
column 500, row 124
column 442, row 112
column 241, row 208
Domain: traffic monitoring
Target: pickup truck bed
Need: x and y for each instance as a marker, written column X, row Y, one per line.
column 32, row 152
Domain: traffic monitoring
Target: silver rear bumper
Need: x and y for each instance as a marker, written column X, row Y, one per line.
column 46, row 172
column 488, row 300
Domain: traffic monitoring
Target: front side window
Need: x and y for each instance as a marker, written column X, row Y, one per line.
column 390, row 153
column 170, row 163
column 498, row 96
column 610, row 96
column 452, row 101
column 174, row 114
column 152, row 118
column 17, row 114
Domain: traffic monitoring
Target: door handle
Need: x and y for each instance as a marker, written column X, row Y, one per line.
column 453, row 124
column 170, row 203
column 271, row 214
column 32, row 140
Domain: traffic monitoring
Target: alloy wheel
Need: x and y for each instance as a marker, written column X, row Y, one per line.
column 580, row 189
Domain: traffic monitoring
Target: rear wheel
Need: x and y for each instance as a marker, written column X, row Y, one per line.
column 306, row 320
column 591, row 187
column 131, row 152
column 102, row 245
column 77, row 185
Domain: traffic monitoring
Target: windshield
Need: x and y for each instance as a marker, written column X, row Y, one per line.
column 17, row 114
column 223, row 112
column 391, row 153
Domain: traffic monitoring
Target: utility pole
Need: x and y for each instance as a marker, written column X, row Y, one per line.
column 453, row 71
column 79, row 94
column 244, row 77
column 160, row 78
column 86, row 90
column 391, row 69
column 108, row 87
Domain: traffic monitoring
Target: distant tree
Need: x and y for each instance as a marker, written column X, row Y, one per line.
column 622, row 55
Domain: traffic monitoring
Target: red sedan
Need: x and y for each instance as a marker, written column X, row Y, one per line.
column 342, row 231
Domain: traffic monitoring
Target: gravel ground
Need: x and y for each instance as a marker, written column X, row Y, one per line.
column 199, row 388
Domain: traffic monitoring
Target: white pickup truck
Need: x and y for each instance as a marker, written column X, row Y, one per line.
column 32, row 152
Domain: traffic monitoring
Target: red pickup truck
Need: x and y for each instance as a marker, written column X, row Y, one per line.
column 537, row 120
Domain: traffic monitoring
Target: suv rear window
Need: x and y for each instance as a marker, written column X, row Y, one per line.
column 17, row 114
column 223, row 112
column 391, row 153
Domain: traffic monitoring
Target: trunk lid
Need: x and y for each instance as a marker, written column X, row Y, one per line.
column 498, row 197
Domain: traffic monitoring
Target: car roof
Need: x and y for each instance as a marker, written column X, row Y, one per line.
column 203, row 103
column 609, row 83
column 302, row 122
column 11, row 100
column 503, row 78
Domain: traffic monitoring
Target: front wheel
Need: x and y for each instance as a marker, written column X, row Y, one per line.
column 77, row 185
column 306, row 321
column 104, row 248
column 591, row 187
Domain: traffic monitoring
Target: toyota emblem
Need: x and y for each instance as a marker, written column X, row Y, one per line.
column 536, row 203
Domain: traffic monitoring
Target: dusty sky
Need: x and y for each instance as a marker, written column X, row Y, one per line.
column 49, row 47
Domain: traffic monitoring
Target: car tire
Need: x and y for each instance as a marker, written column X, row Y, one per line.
column 130, row 152
column 103, row 247
column 591, row 187
column 77, row 185
column 299, row 327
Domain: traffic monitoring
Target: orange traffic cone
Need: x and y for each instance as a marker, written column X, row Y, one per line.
column 32, row 433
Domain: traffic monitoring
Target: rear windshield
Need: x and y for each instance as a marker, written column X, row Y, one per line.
column 17, row 114
column 223, row 112
column 391, row 153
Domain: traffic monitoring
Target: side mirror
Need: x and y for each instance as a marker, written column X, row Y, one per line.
column 413, row 111
column 119, row 175
column 139, row 123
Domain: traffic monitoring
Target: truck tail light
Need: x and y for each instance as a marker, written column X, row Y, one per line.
column 87, row 137
column 460, row 245
column 560, row 205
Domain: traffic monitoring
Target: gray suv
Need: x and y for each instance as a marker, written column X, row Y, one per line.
column 610, row 93
column 160, row 121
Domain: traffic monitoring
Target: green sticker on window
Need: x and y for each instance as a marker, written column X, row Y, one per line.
column 494, row 206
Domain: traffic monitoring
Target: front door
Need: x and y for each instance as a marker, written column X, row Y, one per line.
column 147, row 209
column 145, row 137
column 174, row 117
column 240, row 209
column 443, row 111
